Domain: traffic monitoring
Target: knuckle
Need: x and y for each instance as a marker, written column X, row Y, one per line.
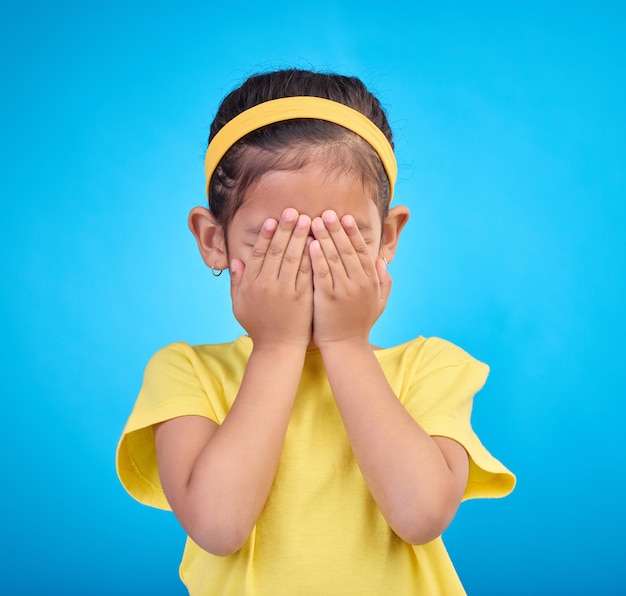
column 324, row 273
column 291, row 259
column 275, row 251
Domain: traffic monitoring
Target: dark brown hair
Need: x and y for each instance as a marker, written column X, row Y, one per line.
column 291, row 144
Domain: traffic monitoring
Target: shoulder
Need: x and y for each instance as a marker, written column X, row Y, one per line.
column 429, row 353
column 180, row 356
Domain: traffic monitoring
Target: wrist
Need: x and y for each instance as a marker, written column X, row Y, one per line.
column 279, row 348
column 343, row 347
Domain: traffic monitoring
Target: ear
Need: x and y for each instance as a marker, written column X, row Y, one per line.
column 395, row 221
column 210, row 238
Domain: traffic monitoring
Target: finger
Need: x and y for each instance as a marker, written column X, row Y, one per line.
column 384, row 279
column 323, row 236
column 295, row 249
column 255, row 261
column 322, row 278
column 304, row 277
column 359, row 250
column 278, row 245
column 349, row 244
column 236, row 274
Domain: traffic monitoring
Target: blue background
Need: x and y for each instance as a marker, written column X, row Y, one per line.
column 511, row 140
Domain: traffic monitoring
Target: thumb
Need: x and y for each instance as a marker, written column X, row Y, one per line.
column 384, row 278
column 236, row 273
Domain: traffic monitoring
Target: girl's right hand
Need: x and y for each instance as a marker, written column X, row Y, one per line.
column 272, row 293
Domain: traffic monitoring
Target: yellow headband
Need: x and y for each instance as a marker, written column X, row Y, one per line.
column 288, row 108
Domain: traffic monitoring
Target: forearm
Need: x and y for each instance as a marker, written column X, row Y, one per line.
column 231, row 477
column 404, row 468
column 229, row 470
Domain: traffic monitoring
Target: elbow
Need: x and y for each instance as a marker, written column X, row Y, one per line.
column 220, row 547
column 220, row 539
column 422, row 525
column 419, row 532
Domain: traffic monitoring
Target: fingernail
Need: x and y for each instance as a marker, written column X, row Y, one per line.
column 329, row 216
column 348, row 220
column 290, row 214
column 270, row 224
column 304, row 221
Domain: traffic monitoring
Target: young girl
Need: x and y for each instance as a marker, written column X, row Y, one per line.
column 300, row 459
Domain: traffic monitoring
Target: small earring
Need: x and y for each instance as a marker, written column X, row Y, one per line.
column 216, row 272
column 385, row 261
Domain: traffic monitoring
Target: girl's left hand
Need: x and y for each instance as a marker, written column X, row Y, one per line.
column 351, row 286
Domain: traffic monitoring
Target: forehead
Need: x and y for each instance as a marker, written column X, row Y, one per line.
column 311, row 191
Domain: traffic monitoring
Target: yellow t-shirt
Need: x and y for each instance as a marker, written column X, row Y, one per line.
column 320, row 532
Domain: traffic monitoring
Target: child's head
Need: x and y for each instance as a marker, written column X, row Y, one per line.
column 292, row 144
column 273, row 132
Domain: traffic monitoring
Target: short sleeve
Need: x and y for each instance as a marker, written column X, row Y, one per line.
column 171, row 388
column 441, row 400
